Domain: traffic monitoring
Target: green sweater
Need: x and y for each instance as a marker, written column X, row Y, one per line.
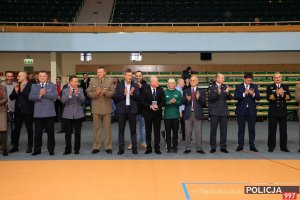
column 171, row 110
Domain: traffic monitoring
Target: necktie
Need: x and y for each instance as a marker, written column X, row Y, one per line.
column 278, row 86
column 42, row 85
column 193, row 97
column 153, row 94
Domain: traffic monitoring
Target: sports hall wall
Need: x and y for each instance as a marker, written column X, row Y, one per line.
column 67, row 62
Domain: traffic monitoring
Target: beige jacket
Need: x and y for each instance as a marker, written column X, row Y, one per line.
column 101, row 104
column 3, row 100
column 297, row 96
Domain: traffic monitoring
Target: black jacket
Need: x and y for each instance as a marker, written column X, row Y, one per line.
column 22, row 103
column 277, row 104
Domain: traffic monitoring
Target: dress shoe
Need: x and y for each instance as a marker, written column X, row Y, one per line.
column 120, row 152
column 253, row 149
column 212, row 151
column 148, row 151
column 60, row 131
column 157, row 151
column 201, row 151
column 29, row 150
column 5, row 153
column 224, row 150
column 169, row 150
column 187, row 151
column 129, row 147
column 299, row 150
column 134, row 151
column 35, row 153
column 183, row 138
column 51, row 153
column 108, row 151
column 76, row 152
column 95, row 151
column 13, row 150
column 270, row 150
column 174, row 150
column 239, row 148
column 66, row 152
column 285, row 150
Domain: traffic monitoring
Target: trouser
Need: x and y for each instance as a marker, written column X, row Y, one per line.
column 241, row 120
column 171, row 125
column 132, row 125
column 58, row 109
column 141, row 122
column 156, row 123
column 214, row 121
column 273, row 121
column 11, row 116
column 46, row 123
column 70, row 125
column 3, row 138
column 19, row 119
column 102, row 121
column 196, row 124
column 182, row 126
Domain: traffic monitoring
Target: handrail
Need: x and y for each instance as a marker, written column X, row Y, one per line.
column 275, row 23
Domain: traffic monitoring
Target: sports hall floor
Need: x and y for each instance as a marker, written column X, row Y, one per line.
column 166, row 176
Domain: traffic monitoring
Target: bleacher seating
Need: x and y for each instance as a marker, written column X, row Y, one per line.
column 39, row 11
column 262, row 79
column 129, row 11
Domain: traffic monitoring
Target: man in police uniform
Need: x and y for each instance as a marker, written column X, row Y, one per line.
column 278, row 94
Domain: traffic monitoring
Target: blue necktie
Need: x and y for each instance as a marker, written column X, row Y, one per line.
column 153, row 94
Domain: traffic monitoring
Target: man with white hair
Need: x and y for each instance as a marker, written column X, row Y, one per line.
column 153, row 99
column 277, row 94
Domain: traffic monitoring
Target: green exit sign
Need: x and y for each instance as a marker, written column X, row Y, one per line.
column 28, row 68
column 28, row 61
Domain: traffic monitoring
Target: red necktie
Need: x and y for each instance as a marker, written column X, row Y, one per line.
column 193, row 97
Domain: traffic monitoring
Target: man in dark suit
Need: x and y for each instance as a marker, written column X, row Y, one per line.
column 43, row 94
column 23, row 112
column 194, row 100
column 127, row 96
column 153, row 99
column 277, row 94
column 84, row 84
column 218, row 110
column 246, row 94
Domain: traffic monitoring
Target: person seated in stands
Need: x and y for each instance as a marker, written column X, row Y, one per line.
column 187, row 84
column 186, row 74
column 257, row 21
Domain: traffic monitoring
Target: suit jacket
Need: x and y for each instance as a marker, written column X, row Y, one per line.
column 241, row 106
column 73, row 104
column 85, row 85
column 297, row 96
column 277, row 104
column 217, row 103
column 101, row 104
column 198, row 104
column 120, row 98
column 22, row 103
column 146, row 101
column 44, row 106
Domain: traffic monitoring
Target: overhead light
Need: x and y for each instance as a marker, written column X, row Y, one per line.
column 85, row 57
column 135, row 57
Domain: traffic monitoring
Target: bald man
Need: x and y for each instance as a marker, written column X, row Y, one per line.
column 218, row 93
column 277, row 95
column 23, row 112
